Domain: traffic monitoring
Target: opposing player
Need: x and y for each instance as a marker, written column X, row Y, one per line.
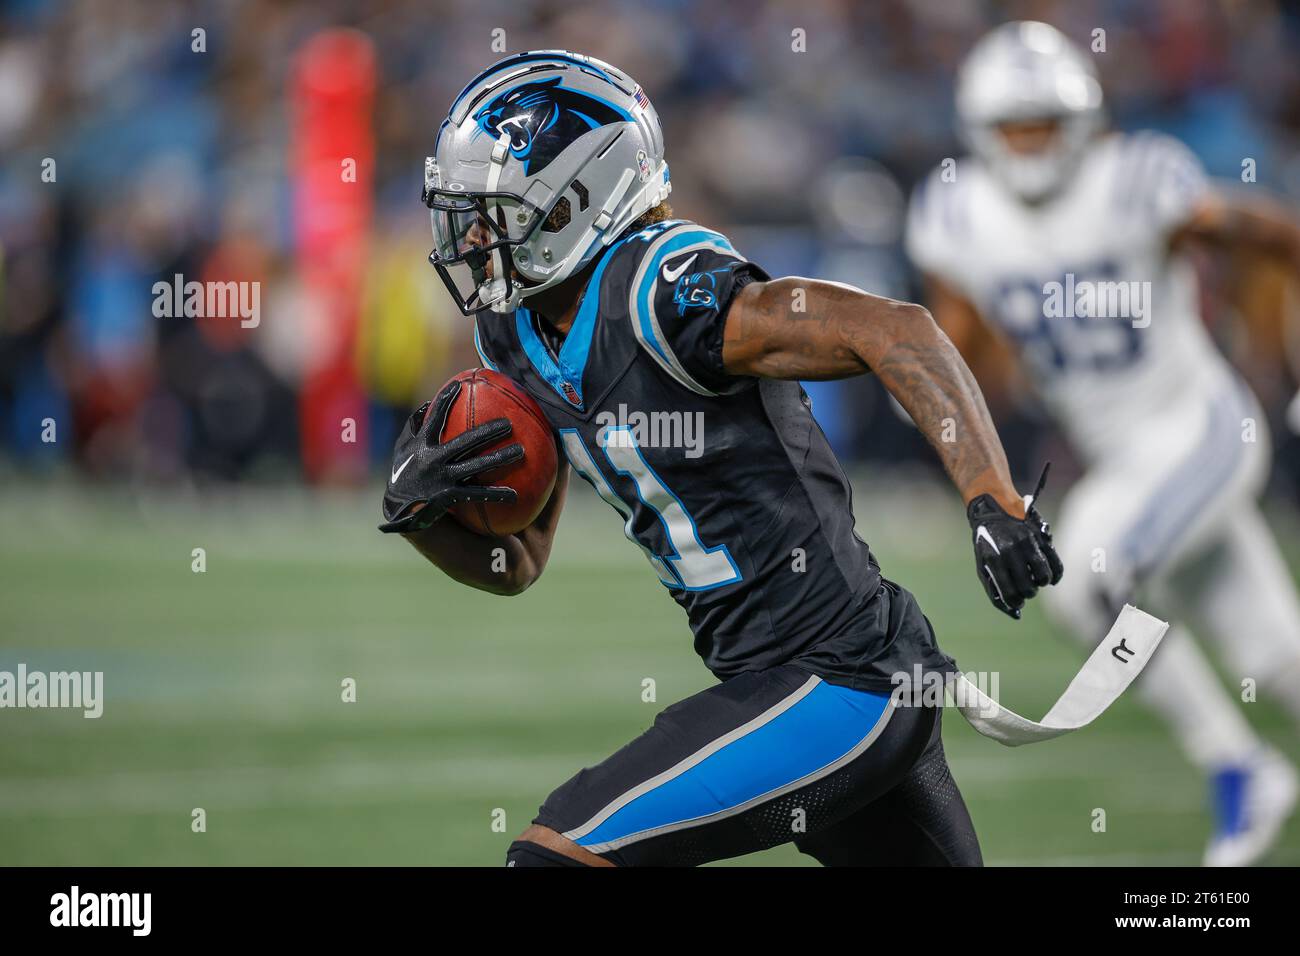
column 1069, row 241
column 547, row 192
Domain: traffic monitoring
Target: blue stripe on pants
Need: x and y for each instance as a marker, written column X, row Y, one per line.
column 808, row 739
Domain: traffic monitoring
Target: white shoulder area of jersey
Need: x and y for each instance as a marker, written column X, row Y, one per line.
column 1148, row 149
column 1154, row 177
column 670, row 259
column 940, row 219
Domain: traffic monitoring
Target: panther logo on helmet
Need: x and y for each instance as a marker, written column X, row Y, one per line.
column 544, row 117
column 503, row 233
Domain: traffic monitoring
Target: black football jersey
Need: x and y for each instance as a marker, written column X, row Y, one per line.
column 727, row 484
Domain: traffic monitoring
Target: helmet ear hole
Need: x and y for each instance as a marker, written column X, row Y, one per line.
column 561, row 215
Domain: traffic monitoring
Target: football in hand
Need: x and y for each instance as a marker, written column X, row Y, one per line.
column 485, row 395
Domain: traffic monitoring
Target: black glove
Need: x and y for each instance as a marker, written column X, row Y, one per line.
column 1014, row 557
column 429, row 473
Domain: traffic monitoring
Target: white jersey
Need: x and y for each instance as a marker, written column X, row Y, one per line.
column 1104, row 318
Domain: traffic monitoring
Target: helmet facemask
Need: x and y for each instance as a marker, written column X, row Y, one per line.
column 474, row 239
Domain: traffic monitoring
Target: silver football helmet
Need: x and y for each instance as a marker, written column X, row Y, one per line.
column 1028, row 70
column 543, row 160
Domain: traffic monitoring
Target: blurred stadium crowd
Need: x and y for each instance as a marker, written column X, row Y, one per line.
column 173, row 161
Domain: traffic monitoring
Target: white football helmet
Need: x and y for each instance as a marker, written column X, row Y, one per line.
column 1028, row 70
column 545, row 158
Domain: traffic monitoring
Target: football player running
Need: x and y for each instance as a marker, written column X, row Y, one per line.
column 546, row 190
column 1069, row 241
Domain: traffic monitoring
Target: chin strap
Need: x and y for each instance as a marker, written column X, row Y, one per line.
column 495, row 296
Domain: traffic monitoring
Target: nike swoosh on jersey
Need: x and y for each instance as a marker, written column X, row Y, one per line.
column 401, row 468
column 672, row 275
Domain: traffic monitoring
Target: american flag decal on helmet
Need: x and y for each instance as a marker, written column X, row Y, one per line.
column 642, row 100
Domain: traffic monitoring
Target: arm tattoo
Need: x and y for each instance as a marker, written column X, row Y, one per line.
column 843, row 332
column 931, row 381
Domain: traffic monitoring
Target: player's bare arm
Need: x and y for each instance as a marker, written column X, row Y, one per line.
column 987, row 351
column 1259, row 225
column 470, row 558
column 955, row 314
column 846, row 332
column 843, row 331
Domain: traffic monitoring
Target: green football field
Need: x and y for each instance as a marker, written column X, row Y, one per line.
column 223, row 689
